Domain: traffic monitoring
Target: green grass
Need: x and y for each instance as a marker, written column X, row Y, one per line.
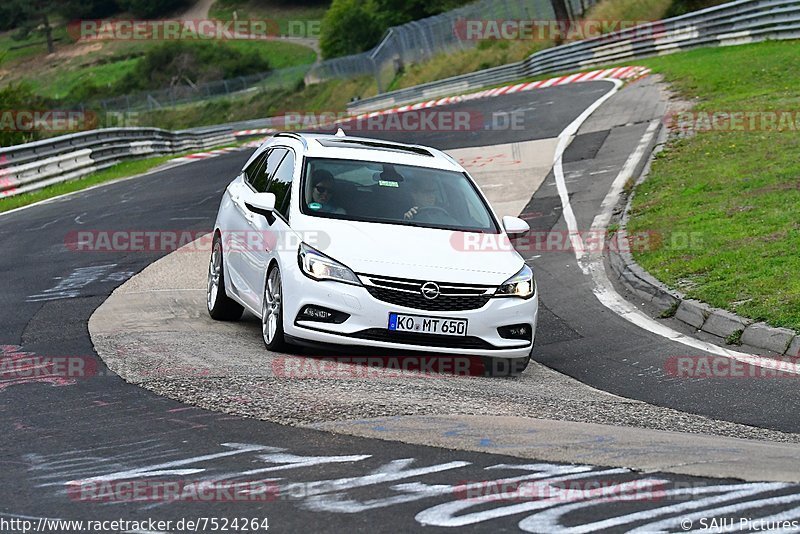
column 54, row 78
column 291, row 19
column 120, row 170
column 104, row 63
column 60, row 81
column 279, row 54
column 735, row 338
column 486, row 55
column 628, row 10
column 737, row 193
column 36, row 41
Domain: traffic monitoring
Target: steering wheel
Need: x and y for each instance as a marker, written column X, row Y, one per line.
column 432, row 210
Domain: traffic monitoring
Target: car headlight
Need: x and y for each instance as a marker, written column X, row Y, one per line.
column 520, row 285
column 318, row 266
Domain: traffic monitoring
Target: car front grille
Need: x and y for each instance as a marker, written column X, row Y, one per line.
column 408, row 293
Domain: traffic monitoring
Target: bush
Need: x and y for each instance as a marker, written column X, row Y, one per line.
column 181, row 63
column 14, row 98
column 174, row 64
column 152, row 8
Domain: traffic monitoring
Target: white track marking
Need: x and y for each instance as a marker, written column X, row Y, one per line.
column 169, row 468
column 564, row 139
column 546, row 520
column 591, row 262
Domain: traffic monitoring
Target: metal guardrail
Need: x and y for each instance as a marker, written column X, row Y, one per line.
column 739, row 22
column 32, row 166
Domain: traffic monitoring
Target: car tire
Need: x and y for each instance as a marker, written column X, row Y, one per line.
column 272, row 312
column 506, row 366
column 220, row 306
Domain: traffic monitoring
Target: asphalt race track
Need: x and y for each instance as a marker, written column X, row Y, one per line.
column 64, row 439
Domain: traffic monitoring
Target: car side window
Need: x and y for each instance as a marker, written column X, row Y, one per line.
column 281, row 184
column 264, row 174
column 261, row 176
column 252, row 170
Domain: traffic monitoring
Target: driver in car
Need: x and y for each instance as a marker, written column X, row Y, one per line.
column 422, row 196
column 322, row 193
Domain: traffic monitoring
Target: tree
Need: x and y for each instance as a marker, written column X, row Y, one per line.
column 396, row 12
column 560, row 10
column 352, row 26
column 85, row 9
column 348, row 28
column 37, row 21
column 26, row 15
column 562, row 16
column 11, row 14
column 152, row 8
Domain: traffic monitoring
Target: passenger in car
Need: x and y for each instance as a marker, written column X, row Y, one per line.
column 322, row 193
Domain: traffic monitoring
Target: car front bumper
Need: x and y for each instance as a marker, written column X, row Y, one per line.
column 367, row 325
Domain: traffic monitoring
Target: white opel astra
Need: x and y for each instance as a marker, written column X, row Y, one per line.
column 357, row 242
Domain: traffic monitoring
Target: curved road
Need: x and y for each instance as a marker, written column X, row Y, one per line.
column 100, row 430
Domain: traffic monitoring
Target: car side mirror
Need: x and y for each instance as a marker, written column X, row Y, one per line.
column 262, row 203
column 515, row 225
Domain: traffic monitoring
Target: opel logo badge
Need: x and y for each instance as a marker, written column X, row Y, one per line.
column 430, row 290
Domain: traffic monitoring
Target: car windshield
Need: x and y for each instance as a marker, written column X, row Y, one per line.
column 395, row 194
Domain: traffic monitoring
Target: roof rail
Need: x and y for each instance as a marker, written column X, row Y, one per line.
column 366, row 143
column 293, row 136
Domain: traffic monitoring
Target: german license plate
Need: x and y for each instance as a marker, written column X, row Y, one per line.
column 400, row 322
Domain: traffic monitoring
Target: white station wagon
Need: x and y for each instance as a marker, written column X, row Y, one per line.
column 353, row 242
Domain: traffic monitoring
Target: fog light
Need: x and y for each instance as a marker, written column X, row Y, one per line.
column 321, row 315
column 516, row 331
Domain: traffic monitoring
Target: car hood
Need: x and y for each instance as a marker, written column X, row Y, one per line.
column 417, row 253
